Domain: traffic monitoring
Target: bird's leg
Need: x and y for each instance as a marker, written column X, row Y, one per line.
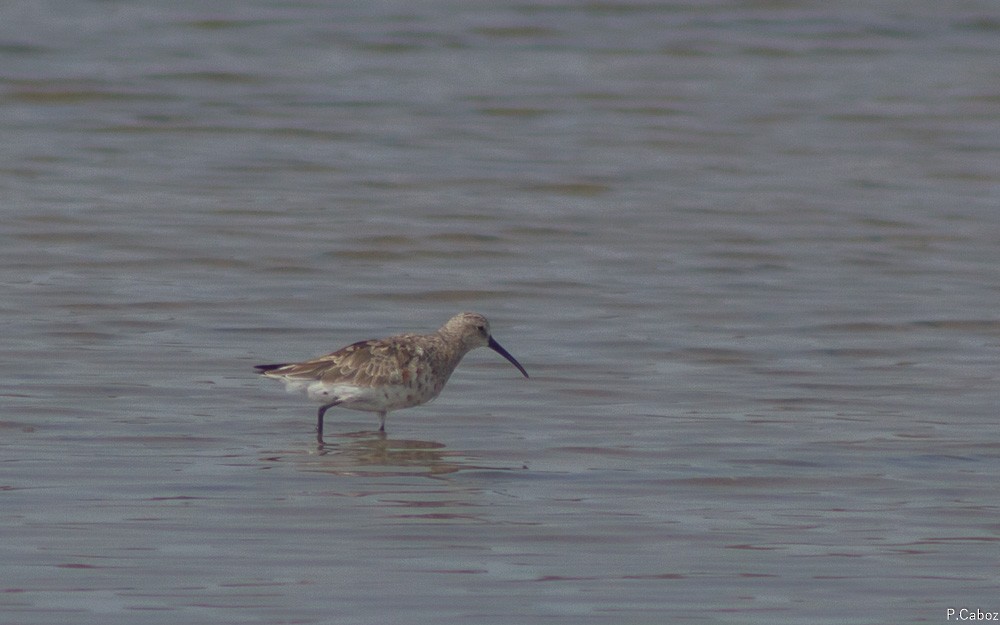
column 381, row 420
column 319, row 420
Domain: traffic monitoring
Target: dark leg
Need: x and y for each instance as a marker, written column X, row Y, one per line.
column 319, row 420
column 381, row 420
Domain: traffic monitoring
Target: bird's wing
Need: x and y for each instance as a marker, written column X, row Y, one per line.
column 365, row 363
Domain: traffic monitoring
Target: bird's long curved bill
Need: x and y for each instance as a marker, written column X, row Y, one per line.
column 503, row 352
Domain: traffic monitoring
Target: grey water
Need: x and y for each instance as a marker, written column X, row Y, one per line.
column 749, row 253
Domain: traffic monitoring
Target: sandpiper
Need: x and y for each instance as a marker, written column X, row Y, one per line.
column 387, row 374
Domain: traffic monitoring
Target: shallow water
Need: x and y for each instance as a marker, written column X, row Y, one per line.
column 746, row 251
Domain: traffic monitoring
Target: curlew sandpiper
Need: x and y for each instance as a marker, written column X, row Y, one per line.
column 388, row 374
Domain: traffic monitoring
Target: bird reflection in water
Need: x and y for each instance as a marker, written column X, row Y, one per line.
column 374, row 454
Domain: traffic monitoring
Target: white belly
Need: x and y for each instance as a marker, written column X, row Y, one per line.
column 370, row 399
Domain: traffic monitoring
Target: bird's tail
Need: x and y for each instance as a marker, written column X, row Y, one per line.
column 265, row 368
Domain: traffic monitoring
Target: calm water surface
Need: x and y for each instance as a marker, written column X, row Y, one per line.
column 748, row 251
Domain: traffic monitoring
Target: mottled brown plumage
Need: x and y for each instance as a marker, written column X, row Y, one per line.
column 388, row 374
